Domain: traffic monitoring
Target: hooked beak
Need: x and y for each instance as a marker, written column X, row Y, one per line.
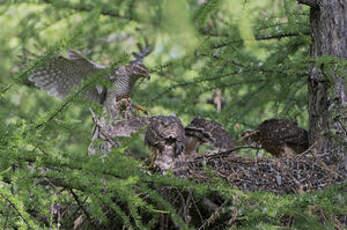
column 145, row 72
column 142, row 71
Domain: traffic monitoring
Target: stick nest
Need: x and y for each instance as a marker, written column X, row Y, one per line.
column 290, row 174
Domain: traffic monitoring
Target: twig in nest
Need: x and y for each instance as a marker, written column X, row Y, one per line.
column 233, row 217
column 324, row 166
column 248, row 135
column 307, row 150
column 228, row 151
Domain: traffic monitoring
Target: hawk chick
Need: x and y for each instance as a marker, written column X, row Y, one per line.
column 279, row 137
column 165, row 137
column 203, row 131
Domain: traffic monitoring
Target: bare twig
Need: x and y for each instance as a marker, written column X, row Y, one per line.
column 228, row 151
column 307, row 150
column 101, row 132
column 233, row 217
column 214, row 216
column 264, row 37
column 197, row 209
column 76, row 198
column 324, row 165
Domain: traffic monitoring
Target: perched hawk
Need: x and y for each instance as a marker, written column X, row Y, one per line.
column 203, row 131
column 165, row 137
column 279, row 137
column 60, row 74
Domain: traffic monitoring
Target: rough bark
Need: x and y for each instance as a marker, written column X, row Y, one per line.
column 327, row 84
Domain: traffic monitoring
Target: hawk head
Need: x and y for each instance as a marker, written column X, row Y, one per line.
column 203, row 131
column 138, row 70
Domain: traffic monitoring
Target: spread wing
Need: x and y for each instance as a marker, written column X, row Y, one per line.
column 59, row 75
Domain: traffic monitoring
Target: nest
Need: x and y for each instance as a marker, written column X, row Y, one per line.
column 289, row 174
column 286, row 174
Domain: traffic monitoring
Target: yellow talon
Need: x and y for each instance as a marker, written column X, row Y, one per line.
column 125, row 102
column 126, row 99
column 139, row 107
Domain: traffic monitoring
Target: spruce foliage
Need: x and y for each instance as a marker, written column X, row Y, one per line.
column 255, row 52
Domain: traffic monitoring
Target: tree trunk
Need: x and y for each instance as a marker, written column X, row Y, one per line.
column 326, row 85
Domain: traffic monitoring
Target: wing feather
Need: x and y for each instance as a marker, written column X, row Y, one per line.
column 59, row 75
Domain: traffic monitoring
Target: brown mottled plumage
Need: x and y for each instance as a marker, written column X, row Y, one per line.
column 125, row 128
column 165, row 136
column 203, row 131
column 59, row 75
column 279, row 137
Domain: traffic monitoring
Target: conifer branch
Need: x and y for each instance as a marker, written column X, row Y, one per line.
column 61, row 108
column 186, row 83
column 79, row 203
column 82, row 8
column 228, row 152
column 263, row 37
column 259, row 69
column 16, row 209
column 4, row 90
column 65, row 104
